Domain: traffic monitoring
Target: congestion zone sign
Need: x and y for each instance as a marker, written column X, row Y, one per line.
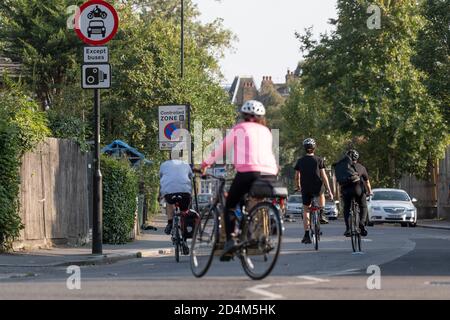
column 97, row 22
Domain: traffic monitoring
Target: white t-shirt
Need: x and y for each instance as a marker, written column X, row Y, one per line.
column 175, row 177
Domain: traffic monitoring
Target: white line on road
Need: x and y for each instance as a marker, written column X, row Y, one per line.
column 314, row 279
column 259, row 289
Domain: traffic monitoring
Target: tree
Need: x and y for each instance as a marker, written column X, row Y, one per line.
column 35, row 33
column 433, row 52
column 374, row 90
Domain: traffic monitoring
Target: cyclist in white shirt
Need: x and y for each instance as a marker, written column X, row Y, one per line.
column 175, row 178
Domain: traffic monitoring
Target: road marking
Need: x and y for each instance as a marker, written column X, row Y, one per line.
column 438, row 283
column 259, row 289
column 314, row 279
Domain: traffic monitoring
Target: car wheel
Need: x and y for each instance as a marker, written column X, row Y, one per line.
column 413, row 225
column 404, row 224
column 370, row 224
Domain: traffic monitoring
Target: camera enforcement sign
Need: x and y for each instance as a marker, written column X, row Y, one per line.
column 96, row 76
column 96, row 23
column 171, row 118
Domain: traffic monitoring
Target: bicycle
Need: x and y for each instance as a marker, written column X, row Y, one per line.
column 314, row 223
column 259, row 234
column 178, row 239
column 355, row 232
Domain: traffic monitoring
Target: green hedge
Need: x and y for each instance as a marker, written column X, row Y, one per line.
column 22, row 126
column 120, row 190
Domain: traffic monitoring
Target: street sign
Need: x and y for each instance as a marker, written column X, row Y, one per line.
column 171, row 118
column 96, row 76
column 95, row 55
column 96, row 23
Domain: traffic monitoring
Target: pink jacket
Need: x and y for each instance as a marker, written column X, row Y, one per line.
column 252, row 149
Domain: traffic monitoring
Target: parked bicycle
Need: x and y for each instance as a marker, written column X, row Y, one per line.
column 258, row 229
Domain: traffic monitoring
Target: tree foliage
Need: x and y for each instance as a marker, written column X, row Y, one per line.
column 22, row 126
column 373, row 91
column 120, row 191
column 35, row 33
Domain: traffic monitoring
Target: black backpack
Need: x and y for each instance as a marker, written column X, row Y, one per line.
column 345, row 172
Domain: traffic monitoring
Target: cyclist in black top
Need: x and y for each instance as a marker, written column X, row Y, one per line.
column 310, row 178
column 359, row 192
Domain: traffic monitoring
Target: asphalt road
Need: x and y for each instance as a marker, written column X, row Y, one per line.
column 413, row 263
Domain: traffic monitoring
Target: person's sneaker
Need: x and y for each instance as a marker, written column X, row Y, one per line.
column 306, row 239
column 228, row 250
column 363, row 231
column 185, row 248
column 347, row 233
column 168, row 229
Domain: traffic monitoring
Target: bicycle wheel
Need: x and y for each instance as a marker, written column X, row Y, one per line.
column 177, row 243
column 261, row 240
column 316, row 232
column 204, row 242
column 353, row 231
column 358, row 233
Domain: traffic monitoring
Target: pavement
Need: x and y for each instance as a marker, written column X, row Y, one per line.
column 434, row 224
column 151, row 243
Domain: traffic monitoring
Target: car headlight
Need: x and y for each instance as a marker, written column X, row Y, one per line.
column 410, row 210
column 376, row 208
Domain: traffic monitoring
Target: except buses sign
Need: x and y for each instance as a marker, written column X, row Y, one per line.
column 171, row 118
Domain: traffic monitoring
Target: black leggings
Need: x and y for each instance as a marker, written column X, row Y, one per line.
column 239, row 188
column 354, row 192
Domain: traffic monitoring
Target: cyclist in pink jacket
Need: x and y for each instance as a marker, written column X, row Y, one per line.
column 252, row 157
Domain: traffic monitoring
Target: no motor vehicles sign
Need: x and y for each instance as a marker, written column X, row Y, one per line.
column 97, row 22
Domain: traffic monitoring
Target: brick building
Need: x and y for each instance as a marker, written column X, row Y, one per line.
column 244, row 88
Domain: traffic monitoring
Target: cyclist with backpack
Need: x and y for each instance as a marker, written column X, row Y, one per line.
column 310, row 178
column 354, row 182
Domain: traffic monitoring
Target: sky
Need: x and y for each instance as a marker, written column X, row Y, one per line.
column 265, row 28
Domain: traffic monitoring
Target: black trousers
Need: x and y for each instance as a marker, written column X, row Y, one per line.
column 239, row 188
column 354, row 192
column 185, row 201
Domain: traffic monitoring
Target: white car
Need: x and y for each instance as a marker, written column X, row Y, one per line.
column 294, row 205
column 392, row 206
column 331, row 210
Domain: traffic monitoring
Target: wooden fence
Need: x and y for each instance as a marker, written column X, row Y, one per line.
column 54, row 195
column 434, row 195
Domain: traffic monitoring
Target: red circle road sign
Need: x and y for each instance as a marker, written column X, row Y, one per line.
column 97, row 22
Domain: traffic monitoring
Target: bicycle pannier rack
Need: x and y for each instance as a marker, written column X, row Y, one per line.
column 268, row 188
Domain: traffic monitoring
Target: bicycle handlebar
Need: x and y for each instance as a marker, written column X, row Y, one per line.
column 208, row 175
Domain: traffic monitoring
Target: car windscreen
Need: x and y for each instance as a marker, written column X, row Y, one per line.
column 295, row 199
column 390, row 196
column 203, row 198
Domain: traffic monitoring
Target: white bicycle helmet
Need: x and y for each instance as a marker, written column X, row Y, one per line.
column 254, row 108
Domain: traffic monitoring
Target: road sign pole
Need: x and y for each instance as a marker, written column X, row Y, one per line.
column 182, row 39
column 97, row 229
column 191, row 154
